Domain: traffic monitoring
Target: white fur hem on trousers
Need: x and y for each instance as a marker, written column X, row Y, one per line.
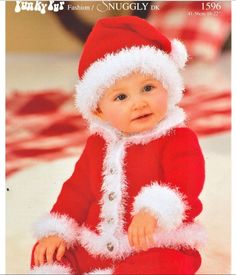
column 100, row 271
column 51, row 269
column 60, row 269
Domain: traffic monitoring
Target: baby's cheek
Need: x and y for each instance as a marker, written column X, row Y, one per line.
column 119, row 120
column 162, row 103
column 112, row 116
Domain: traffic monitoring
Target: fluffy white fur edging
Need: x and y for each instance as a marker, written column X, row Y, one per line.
column 179, row 53
column 55, row 224
column 166, row 204
column 148, row 60
column 100, row 271
column 191, row 235
column 50, row 269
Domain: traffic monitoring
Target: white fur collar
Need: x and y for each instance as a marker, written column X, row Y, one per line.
column 175, row 117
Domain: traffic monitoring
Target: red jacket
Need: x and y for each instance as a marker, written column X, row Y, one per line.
column 117, row 176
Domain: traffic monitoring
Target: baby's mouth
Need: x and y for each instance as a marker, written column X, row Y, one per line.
column 142, row 117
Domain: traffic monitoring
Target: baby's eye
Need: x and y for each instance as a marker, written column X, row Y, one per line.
column 120, row 97
column 148, row 88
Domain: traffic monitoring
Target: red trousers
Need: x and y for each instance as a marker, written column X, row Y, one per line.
column 153, row 261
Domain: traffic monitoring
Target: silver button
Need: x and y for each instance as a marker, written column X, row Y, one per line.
column 112, row 171
column 110, row 246
column 111, row 196
column 110, row 220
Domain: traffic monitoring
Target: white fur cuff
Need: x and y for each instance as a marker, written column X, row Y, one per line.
column 165, row 203
column 50, row 269
column 55, row 224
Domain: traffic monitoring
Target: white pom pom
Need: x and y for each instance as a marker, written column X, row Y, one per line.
column 178, row 53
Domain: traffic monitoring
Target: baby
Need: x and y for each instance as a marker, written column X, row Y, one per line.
column 130, row 204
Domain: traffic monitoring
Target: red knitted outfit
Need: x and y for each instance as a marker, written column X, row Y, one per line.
column 160, row 170
column 174, row 160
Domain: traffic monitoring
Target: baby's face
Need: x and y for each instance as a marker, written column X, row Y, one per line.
column 135, row 103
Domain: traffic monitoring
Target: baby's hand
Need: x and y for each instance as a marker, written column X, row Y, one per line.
column 141, row 229
column 46, row 249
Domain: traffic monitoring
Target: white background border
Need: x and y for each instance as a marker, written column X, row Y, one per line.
column 233, row 139
column 2, row 139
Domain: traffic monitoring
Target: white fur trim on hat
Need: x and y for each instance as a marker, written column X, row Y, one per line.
column 55, row 224
column 178, row 53
column 104, row 72
column 154, row 198
column 50, row 269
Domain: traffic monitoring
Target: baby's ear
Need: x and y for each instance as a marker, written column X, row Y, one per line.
column 97, row 112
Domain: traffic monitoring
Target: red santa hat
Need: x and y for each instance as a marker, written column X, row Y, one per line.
column 118, row 46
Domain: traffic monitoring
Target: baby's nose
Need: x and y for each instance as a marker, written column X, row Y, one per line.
column 139, row 104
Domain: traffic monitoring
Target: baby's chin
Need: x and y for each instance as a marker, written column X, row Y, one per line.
column 140, row 130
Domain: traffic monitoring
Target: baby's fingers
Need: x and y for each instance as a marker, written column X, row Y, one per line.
column 50, row 253
column 130, row 236
column 135, row 239
column 36, row 261
column 41, row 255
column 60, row 252
column 149, row 237
column 142, row 239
